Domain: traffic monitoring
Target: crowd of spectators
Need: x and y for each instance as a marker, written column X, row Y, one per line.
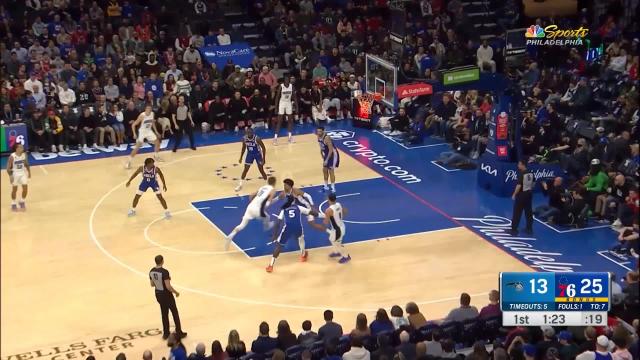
column 113, row 57
column 465, row 333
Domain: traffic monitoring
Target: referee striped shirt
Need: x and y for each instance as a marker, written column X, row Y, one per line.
column 158, row 275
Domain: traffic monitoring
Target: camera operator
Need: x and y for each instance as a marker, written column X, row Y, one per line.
column 557, row 198
column 399, row 123
column 575, row 210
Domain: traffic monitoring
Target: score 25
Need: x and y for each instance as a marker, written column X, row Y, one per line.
column 588, row 286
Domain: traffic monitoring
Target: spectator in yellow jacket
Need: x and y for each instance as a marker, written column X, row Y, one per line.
column 55, row 129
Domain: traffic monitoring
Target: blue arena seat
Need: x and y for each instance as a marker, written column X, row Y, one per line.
column 253, row 356
column 344, row 344
column 469, row 331
column 294, row 352
column 317, row 350
column 370, row 343
column 451, row 330
column 424, row 332
column 490, row 328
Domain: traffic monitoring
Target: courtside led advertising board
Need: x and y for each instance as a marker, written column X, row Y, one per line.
column 556, row 299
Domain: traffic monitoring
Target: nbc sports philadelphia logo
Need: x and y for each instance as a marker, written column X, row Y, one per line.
column 553, row 35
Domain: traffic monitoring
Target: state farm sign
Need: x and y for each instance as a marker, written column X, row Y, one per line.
column 408, row 90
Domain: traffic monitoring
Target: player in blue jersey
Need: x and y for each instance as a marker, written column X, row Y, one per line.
column 256, row 152
column 330, row 158
column 301, row 198
column 291, row 219
column 149, row 180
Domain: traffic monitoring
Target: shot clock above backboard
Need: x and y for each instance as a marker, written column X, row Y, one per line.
column 570, row 299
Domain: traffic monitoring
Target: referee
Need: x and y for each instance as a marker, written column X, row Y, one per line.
column 522, row 197
column 161, row 280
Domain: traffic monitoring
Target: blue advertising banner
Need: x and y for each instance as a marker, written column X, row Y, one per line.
column 240, row 53
column 500, row 177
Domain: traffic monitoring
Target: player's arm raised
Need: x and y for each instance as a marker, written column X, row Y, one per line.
column 133, row 176
column 244, row 147
column 164, row 182
column 264, row 151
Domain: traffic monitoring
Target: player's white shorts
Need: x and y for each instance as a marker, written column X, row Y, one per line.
column 255, row 212
column 336, row 235
column 285, row 108
column 148, row 135
column 19, row 179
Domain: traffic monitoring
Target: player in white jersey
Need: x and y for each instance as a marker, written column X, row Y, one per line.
column 260, row 200
column 334, row 216
column 285, row 97
column 147, row 122
column 19, row 175
column 300, row 198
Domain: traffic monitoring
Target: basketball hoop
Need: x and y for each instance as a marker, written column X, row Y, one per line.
column 366, row 100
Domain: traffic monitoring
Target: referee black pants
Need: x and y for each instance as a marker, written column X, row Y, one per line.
column 168, row 302
column 522, row 203
column 185, row 127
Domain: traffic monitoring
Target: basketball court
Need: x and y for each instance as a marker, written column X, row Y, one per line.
column 74, row 266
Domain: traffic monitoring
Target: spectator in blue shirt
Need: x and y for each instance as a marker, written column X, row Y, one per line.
column 264, row 343
column 55, row 26
column 211, row 39
column 127, row 10
column 381, row 323
column 416, row 131
column 178, row 351
column 154, row 85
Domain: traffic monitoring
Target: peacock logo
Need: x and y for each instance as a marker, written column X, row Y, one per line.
column 534, row 31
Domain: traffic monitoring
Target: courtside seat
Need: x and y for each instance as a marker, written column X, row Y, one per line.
column 344, row 344
column 490, row 328
column 294, row 352
column 470, row 330
column 424, row 332
column 451, row 330
column 370, row 343
column 254, row 356
column 317, row 350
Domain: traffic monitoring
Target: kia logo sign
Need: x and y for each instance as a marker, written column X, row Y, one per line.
column 408, row 90
column 487, row 168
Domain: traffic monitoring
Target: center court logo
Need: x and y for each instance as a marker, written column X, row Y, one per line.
column 340, row 134
column 553, row 35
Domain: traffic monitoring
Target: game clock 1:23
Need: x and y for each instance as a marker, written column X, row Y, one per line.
column 554, row 319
